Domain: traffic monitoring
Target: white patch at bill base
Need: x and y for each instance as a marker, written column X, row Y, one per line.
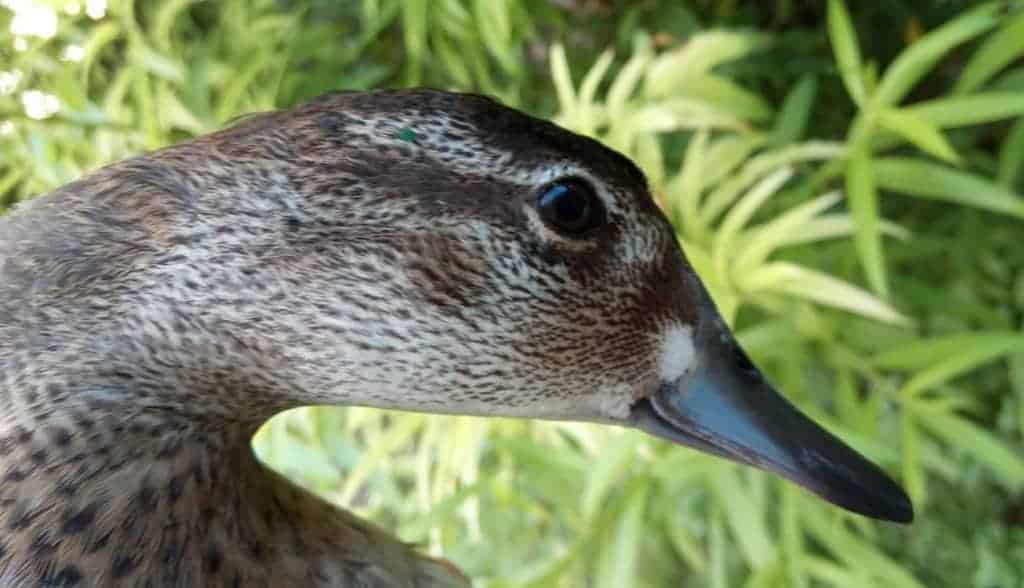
column 678, row 355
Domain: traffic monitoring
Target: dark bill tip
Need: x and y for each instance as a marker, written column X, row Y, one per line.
column 725, row 407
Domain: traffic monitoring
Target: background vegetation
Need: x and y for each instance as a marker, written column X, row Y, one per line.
column 847, row 179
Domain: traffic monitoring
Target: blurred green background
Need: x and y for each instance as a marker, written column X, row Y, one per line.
column 847, row 179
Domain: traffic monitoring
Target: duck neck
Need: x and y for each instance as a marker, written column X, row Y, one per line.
column 118, row 441
column 108, row 476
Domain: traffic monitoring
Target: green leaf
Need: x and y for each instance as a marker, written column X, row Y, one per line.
column 791, row 123
column 818, row 287
column 915, row 61
column 629, row 76
column 414, row 33
column 925, row 179
column 834, row 574
column 997, row 51
column 493, row 20
column 167, row 68
column 958, row 111
column 722, row 245
column 847, row 52
column 594, row 77
column 618, row 564
column 686, row 187
column 834, row 226
column 729, row 96
column 744, row 518
column 688, row 547
column 164, row 20
column 927, row 352
column 863, row 201
column 955, row 356
column 857, row 553
column 759, row 166
column 766, row 238
column 100, row 38
column 919, row 132
column 676, row 69
column 717, row 553
column 1011, row 156
column 727, row 154
column 976, row 442
column 452, row 60
column 562, row 79
column 616, row 458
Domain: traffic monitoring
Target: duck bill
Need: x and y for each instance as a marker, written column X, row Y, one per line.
column 724, row 406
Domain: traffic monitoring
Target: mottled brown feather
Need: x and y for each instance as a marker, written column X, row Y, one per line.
column 154, row 313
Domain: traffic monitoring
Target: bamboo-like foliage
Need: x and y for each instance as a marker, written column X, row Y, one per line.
column 895, row 321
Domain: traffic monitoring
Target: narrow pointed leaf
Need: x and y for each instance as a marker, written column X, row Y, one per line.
column 925, row 179
column 863, row 201
column 620, row 557
column 959, row 111
column 628, row 78
column 919, row 132
column 791, row 123
column 616, row 458
column 977, row 442
column 1011, row 156
column 845, row 47
column 858, row 553
column 765, row 238
column 821, row 288
column 737, row 217
column 743, row 517
column 998, row 51
column 927, row 352
column 698, row 56
column 562, row 79
column 918, row 59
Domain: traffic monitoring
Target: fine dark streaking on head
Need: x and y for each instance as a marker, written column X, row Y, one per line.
column 382, row 249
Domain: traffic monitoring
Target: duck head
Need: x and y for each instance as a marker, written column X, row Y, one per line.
column 438, row 252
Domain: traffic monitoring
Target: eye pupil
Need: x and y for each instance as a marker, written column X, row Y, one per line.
column 571, row 206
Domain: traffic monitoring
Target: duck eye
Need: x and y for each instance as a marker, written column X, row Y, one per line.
column 570, row 206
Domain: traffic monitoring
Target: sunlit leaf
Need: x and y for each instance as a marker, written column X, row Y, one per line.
column 744, row 519
column 738, row 215
column 698, row 56
column 625, row 83
column 863, row 200
column 618, row 562
column 918, row 131
column 616, row 457
column 728, row 96
column 562, row 80
column 765, row 238
column 818, row 287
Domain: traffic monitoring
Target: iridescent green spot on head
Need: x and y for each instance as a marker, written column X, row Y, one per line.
column 406, row 134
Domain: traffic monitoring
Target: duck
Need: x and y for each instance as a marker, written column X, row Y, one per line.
column 411, row 250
